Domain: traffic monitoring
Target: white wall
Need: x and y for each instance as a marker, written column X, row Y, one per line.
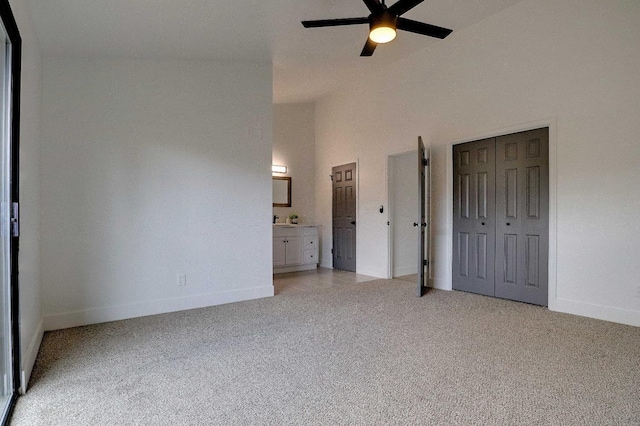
column 572, row 62
column 293, row 146
column 150, row 169
column 29, row 254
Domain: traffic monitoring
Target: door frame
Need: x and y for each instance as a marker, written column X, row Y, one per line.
column 551, row 123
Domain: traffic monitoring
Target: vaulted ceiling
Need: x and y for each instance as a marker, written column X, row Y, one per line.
column 307, row 63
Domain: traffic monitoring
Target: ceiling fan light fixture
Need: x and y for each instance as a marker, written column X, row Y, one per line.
column 382, row 28
column 382, row 34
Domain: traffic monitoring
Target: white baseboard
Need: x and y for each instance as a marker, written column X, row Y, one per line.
column 134, row 310
column 29, row 358
column 439, row 284
column 606, row 313
column 298, row 268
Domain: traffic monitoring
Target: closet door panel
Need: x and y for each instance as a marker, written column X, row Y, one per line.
column 522, row 211
column 474, row 217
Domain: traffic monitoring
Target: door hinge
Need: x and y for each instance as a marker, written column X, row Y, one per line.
column 15, row 220
column 425, row 161
column 425, row 262
column 331, row 251
column 331, row 177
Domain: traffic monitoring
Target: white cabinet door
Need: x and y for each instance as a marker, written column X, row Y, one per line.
column 293, row 251
column 279, row 252
column 311, row 256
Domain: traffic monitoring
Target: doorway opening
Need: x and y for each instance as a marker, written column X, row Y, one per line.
column 403, row 208
column 409, row 195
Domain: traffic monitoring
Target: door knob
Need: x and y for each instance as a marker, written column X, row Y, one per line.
column 353, row 222
column 415, row 224
column 508, row 224
column 482, row 223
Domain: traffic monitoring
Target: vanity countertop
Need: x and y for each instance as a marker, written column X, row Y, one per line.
column 291, row 225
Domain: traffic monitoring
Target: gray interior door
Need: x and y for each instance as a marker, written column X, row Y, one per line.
column 344, row 217
column 501, row 216
column 423, row 271
column 522, row 209
column 474, row 216
column 10, row 54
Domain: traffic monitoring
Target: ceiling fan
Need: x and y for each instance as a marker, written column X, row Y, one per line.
column 383, row 22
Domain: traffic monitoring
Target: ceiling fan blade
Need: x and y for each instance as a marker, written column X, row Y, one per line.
column 369, row 47
column 373, row 5
column 334, row 22
column 422, row 28
column 403, row 6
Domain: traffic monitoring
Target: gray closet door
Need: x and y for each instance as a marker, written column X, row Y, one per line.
column 474, row 216
column 522, row 210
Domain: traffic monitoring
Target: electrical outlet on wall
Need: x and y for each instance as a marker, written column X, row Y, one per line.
column 182, row 280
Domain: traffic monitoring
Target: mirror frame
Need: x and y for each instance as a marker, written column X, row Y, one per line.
column 288, row 179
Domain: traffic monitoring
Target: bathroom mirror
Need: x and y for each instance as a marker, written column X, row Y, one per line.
column 281, row 191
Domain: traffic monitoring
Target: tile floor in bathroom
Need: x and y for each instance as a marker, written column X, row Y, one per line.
column 294, row 282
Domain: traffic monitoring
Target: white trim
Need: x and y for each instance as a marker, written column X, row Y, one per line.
column 357, row 212
column 439, row 284
column 551, row 123
column 448, row 283
column 553, row 215
column 389, row 220
column 29, row 358
column 601, row 312
column 134, row 310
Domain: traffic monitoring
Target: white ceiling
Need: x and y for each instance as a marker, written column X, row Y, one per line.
column 307, row 63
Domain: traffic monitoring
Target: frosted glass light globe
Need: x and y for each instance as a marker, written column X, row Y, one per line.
column 382, row 34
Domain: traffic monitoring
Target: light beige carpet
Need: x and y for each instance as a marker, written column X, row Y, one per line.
column 369, row 353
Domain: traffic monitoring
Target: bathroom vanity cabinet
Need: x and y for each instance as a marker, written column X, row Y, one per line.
column 295, row 248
